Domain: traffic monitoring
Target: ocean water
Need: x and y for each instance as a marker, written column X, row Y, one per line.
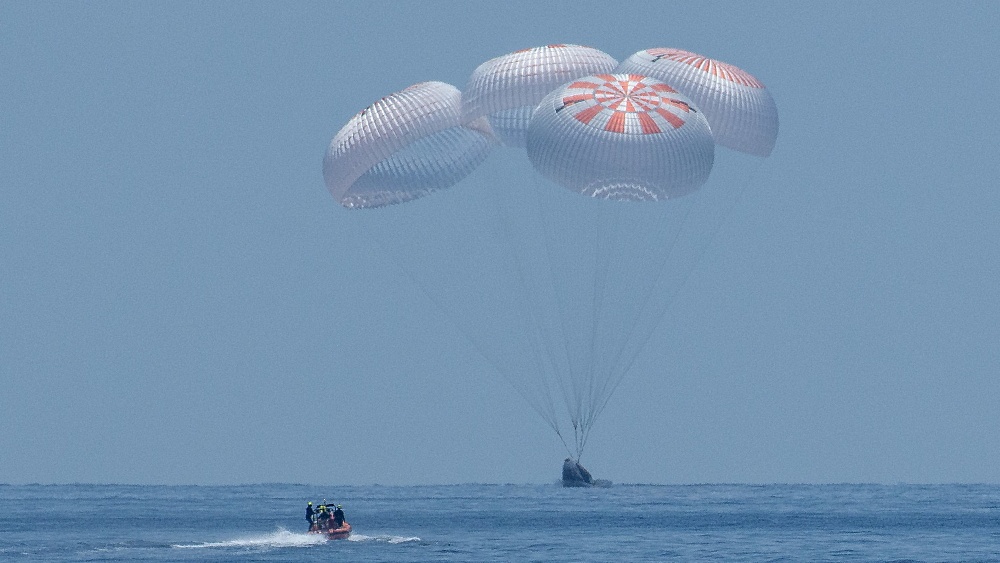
column 504, row 523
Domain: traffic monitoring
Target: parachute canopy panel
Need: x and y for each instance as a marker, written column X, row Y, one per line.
column 404, row 146
column 506, row 89
column 621, row 136
column 739, row 108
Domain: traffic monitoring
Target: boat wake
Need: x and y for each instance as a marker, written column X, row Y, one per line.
column 383, row 538
column 283, row 538
column 280, row 538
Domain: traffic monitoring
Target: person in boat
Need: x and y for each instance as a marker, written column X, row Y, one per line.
column 323, row 517
column 310, row 515
column 338, row 517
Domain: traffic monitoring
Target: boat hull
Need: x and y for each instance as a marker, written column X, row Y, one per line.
column 341, row 533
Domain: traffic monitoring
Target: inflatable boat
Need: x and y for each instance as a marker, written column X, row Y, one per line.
column 340, row 533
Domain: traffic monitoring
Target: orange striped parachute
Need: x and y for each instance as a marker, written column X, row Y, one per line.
column 738, row 107
column 621, row 136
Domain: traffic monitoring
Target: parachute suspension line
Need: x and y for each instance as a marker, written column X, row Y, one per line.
column 563, row 440
column 566, row 378
column 579, row 374
column 603, row 270
column 497, row 365
column 562, row 370
column 477, row 346
column 585, row 378
column 530, row 323
column 494, row 363
column 584, row 383
column 617, row 372
column 661, row 232
column 686, row 274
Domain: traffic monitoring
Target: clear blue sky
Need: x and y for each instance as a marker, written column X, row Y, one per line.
column 181, row 300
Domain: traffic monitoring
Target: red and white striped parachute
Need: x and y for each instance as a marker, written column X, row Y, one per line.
column 738, row 107
column 621, row 136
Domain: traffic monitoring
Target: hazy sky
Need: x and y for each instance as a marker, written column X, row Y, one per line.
column 181, row 300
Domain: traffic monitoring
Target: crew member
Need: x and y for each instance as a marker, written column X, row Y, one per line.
column 324, row 517
column 338, row 517
column 310, row 515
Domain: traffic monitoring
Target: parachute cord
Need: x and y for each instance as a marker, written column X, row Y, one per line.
column 583, row 440
column 529, row 320
column 497, row 366
column 597, row 384
column 601, row 283
column 607, row 389
column 563, row 440
column 440, row 307
column 584, row 383
column 603, row 270
column 578, row 434
column 658, row 317
column 565, row 378
column 619, row 368
column 658, row 270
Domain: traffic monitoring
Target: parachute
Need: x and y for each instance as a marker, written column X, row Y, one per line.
column 506, row 89
column 738, row 107
column 559, row 268
column 621, row 136
column 404, row 146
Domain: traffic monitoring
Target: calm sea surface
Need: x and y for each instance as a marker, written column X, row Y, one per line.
column 504, row 523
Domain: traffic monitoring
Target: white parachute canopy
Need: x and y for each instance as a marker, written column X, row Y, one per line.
column 506, row 89
column 739, row 109
column 404, row 146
